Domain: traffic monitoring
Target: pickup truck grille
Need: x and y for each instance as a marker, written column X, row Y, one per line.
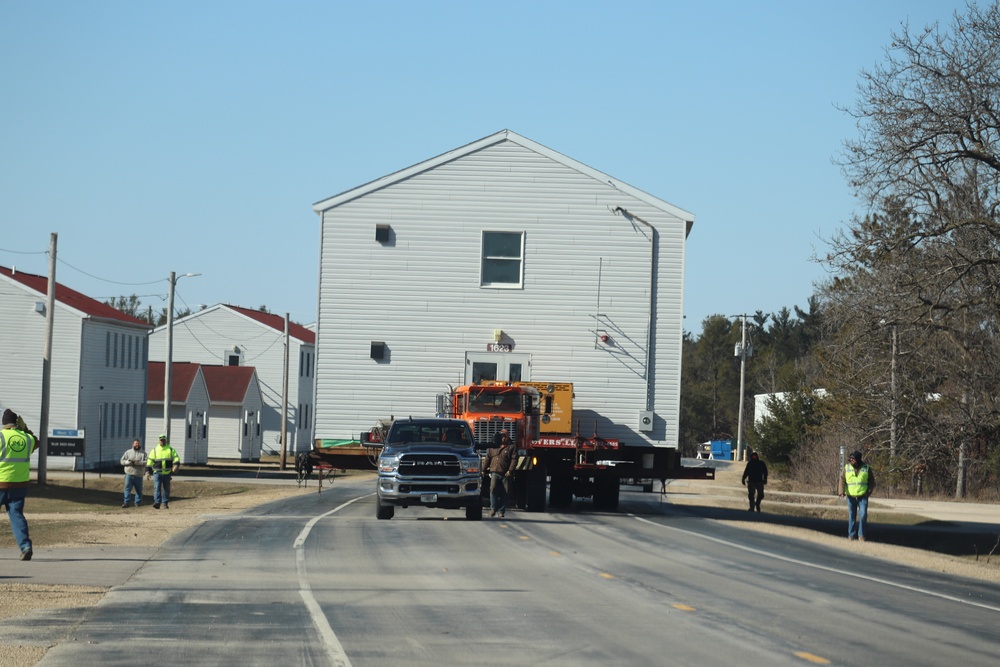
column 429, row 465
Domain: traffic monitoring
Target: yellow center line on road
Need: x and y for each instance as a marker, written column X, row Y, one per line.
column 605, row 575
column 683, row 607
column 811, row 658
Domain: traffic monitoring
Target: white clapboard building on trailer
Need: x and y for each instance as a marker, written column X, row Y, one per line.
column 502, row 259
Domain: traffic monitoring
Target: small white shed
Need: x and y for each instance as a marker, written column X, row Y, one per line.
column 189, row 410
column 234, row 414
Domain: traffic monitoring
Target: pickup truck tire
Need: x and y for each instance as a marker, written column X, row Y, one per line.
column 474, row 511
column 384, row 511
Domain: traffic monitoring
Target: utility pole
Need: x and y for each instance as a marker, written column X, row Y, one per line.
column 742, row 352
column 170, row 356
column 170, row 351
column 50, row 314
column 284, row 402
column 893, row 424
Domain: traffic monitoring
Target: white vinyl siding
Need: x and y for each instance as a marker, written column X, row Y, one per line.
column 209, row 336
column 586, row 269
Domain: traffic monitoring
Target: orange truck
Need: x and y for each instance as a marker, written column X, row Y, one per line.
column 552, row 455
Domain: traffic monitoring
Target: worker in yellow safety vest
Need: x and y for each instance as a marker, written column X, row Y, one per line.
column 162, row 462
column 17, row 443
column 857, row 483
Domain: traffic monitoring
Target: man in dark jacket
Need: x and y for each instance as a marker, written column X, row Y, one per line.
column 500, row 462
column 756, row 474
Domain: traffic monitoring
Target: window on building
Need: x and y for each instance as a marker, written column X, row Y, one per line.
column 503, row 254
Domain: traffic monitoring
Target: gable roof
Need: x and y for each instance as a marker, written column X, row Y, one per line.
column 71, row 298
column 182, row 375
column 228, row 384
column 499, row 137
column 271, row 321
column 276, row 322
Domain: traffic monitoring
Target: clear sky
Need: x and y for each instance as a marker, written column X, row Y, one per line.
column 194, row 135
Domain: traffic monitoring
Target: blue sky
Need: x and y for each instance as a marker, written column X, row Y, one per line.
column 194, row 136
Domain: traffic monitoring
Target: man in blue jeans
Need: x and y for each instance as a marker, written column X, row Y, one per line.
column 17, row 443
column 500, row 463
column 163, row 461
column 857, row 481
column 134, row 461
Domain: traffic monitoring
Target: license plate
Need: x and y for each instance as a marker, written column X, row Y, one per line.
column 428, row 497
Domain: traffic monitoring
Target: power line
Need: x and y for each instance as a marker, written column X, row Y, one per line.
column 114, row 282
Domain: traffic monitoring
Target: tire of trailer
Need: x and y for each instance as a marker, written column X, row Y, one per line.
column 561, row 491
column 384, row 511
column 535, row 496
column 606, row 493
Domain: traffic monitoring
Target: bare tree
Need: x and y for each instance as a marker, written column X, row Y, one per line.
column 924, row 260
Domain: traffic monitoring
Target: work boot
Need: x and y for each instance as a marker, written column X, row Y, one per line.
column 26, row 554
column 500, row 513
column 493, row 512
column 156, row 506
column 166, row 506
column 124, row 504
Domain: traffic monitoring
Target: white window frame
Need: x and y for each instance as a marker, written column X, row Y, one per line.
column 484, row 259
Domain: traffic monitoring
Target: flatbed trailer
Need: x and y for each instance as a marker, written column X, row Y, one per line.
column 553, row 467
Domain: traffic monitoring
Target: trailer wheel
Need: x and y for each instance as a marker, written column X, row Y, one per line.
column 474, row 511
column 535, row 495
column 561, row 491
column 606, row 493
column 384, row 511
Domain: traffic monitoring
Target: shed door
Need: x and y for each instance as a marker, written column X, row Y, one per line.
column 504, row 366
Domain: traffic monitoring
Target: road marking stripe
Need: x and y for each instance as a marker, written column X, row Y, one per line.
column 787, row 559
column 334, row 649
column 683, row 607
column 812, row 658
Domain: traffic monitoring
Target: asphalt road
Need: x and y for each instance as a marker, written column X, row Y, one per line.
column 317, row 580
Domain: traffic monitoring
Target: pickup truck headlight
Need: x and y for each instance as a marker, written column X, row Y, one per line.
column 388, row 464
column 469, row 465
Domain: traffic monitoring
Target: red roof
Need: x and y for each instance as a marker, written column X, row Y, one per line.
column 227, row 384
column 277, row 322
column 71, row 298
column 182, row 375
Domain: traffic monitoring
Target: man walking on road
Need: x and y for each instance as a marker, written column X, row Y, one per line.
column 754, row 478
column 857, row 481
column 17, row 442
column 500, row 462
column 134, row 460
column 162, row 463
